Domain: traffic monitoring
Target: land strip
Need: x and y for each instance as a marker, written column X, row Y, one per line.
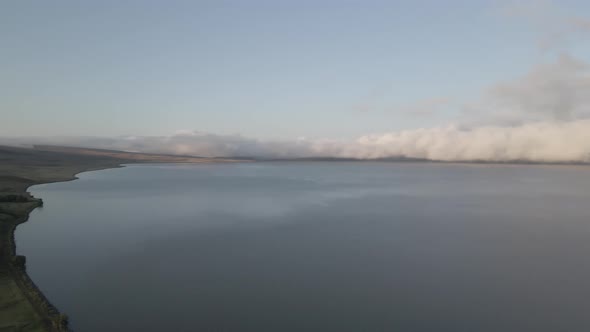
column 22, row 305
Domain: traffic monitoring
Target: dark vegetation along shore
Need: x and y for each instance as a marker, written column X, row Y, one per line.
column 23, row 307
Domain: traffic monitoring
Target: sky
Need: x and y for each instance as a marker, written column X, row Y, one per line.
column 287, row 70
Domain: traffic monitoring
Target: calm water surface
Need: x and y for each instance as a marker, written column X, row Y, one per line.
column 316, row 247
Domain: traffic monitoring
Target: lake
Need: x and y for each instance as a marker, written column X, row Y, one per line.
column 316, row 246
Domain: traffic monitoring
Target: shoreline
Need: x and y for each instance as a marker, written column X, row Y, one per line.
column 23, row 306
column 75, row 176
column 51, row 317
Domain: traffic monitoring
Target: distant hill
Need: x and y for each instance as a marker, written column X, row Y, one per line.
column 22, row 167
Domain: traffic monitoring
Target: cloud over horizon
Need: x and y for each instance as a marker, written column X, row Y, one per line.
column 554, row 141
column 542, row 116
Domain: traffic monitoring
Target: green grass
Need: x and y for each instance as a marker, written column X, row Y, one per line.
column 16, row 312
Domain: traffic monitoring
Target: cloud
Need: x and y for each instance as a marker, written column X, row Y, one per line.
column 552, row 91
column 566, row 141
column 536, row 142
column 548, row 110
column 541, row 116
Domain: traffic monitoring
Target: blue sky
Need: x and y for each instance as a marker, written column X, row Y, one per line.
column 263, row 69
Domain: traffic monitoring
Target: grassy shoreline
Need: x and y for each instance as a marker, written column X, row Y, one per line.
column 23, row 307
column 50, row 318
column 26, row 308
column 46, row 316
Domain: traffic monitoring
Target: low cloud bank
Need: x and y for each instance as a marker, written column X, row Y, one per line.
column 548, row 109
column 535, row 142
column 567, row 141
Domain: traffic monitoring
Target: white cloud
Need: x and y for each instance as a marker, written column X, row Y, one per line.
column 538, row 142
column 547, row 110
column 551, row 141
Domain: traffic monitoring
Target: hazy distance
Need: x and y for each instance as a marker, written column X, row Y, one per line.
column 487, row 81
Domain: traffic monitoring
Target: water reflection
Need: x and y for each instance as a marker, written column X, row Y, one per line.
column 316, row 247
